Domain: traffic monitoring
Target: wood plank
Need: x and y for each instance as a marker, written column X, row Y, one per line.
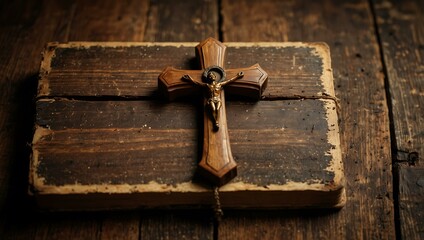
column 402, row 36
column 68, row 226
column 108, row 21
column 22, row 38
column 411, row 207
column 181, row 21
column 68, row 150
column 348, row 28
column 61, row 120
column 121, row 225
column 197, row 224
column 96, row 69
column 402, row 39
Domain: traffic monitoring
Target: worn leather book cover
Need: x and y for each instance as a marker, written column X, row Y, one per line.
column 105, row 139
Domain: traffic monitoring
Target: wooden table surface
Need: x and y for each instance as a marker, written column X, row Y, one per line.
column 377, row 49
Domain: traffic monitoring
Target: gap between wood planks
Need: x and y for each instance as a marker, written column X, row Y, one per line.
column 393, row 147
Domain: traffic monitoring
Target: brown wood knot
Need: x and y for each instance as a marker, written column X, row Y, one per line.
column 412, row 158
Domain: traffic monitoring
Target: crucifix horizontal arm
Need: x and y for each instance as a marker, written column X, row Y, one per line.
column 251, row 85
column 189, row 78
column 217, row 163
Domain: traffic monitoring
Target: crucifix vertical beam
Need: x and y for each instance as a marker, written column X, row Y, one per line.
column 217, row 163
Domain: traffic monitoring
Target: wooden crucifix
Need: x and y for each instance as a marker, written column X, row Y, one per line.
column 217, row 163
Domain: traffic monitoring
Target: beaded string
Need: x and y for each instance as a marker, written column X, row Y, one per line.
column 217, row 208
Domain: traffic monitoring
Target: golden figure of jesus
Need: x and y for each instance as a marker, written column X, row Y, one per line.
column 214, row 87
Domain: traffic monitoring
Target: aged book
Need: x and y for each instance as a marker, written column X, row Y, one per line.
column 106, row 139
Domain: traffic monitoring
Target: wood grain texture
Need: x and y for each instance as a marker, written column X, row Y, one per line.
column 73, row 128
column 22, row 38
column 121, row 225
column 197, row 224
column 182, row 21
column 27, row 25
column 402, row 36
column 63, row 75
column 411, row 208
column 68, row 226
column 402, row 39
column 67, row 137
column 108, row 21
column 348, row 28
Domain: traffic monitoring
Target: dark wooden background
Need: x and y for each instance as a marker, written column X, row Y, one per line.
column 377, row 51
